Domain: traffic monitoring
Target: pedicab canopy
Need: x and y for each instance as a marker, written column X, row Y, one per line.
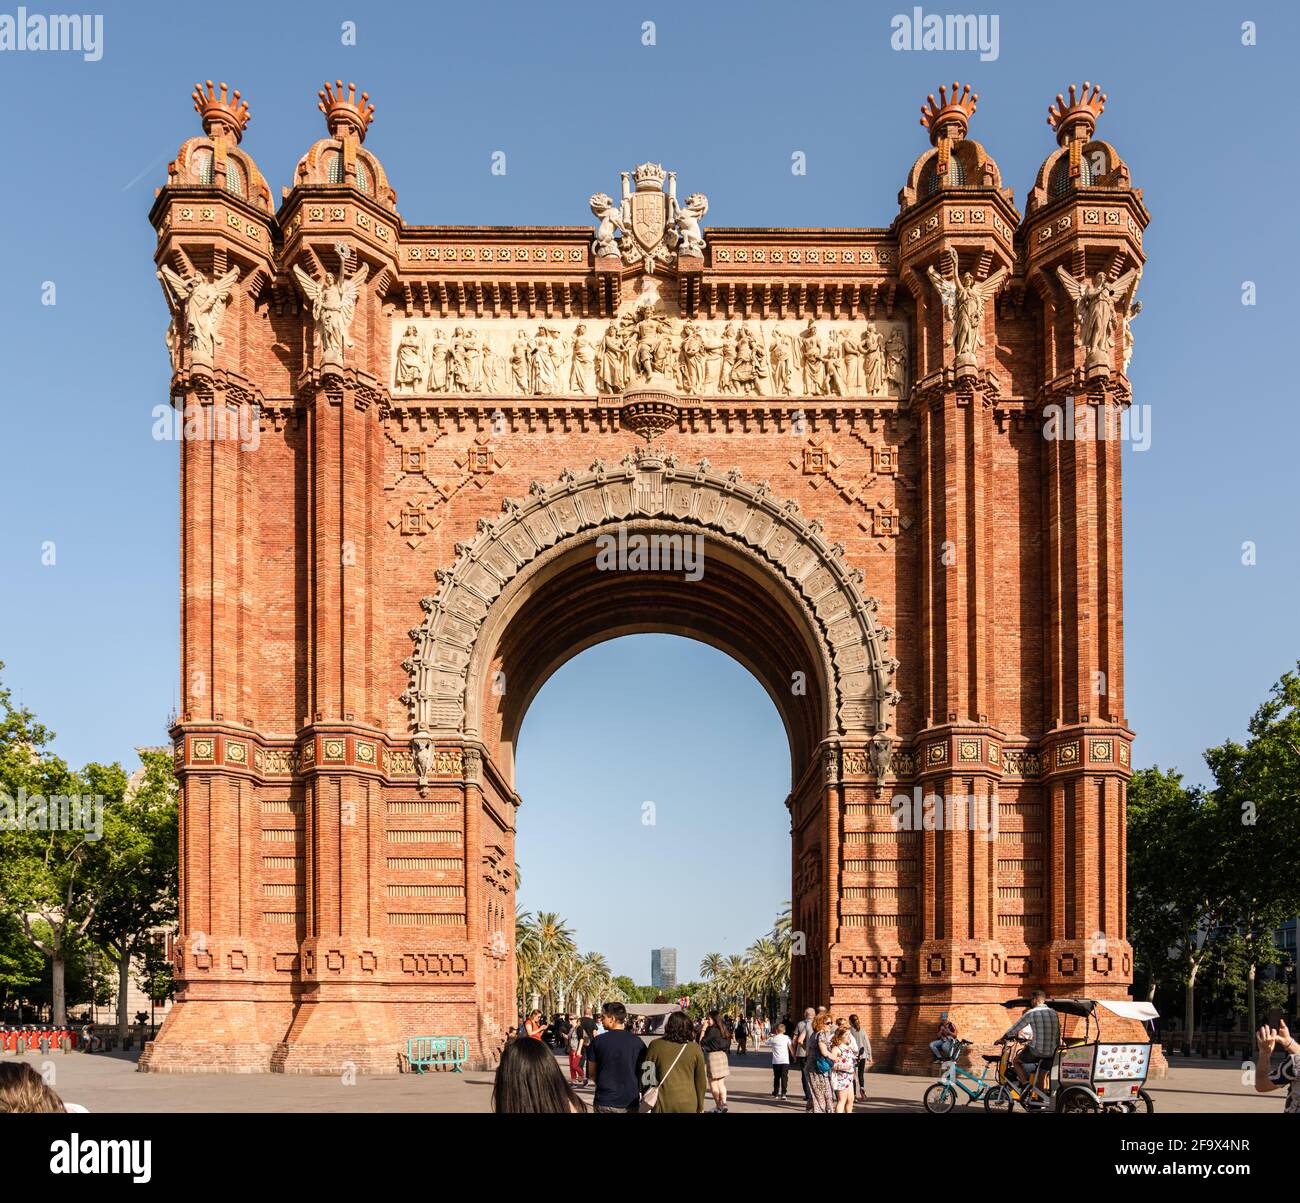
column 1083, row 1008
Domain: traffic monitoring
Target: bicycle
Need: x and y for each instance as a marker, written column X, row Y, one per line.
column 941, row 1097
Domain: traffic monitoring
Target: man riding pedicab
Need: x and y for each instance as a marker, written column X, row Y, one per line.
column 1040, row 1028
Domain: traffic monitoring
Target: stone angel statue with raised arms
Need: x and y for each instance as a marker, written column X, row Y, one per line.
column 1095, row 307
column 964, row 299
column 201, row 305
column 333, row 306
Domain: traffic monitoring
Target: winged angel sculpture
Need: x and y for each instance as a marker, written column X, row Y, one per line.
column 964, row 299
column 333, row 306
column 1095, row 307
column 201, row 305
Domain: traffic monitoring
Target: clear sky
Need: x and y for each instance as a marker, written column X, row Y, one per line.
column 726, row 95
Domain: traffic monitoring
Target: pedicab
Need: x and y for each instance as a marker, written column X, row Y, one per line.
column 1087, row 1074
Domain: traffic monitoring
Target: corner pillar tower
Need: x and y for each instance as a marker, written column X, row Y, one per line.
column 1083, row 252
column 955, row 237
column 214, row 257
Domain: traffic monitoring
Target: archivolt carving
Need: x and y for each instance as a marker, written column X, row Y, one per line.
column 649, row 484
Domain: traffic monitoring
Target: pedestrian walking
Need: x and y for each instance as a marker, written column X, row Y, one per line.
column 716, row 1044
column 799, row 1053
column 780, row 1062
column 844, row 1060
column 678, row 1081
column 614, row 1062
column 818, row 1064
column 863, row 1042
column 742, row 1034
column 576, row 1075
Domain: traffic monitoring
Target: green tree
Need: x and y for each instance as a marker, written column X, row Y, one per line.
column 1257, row 786
column 52, row 873
column 140, row 870
column 154, row 976
column 711, row 965
column 1176, row 869
column 21, row 963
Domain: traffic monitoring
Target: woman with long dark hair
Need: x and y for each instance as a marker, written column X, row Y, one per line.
column 716, row 1043
column 679, row 1068
column 529, row 1082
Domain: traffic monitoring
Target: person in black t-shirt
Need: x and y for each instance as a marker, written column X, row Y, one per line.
column 614, row 1062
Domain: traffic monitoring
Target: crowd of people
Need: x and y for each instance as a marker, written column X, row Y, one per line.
column 680, row 1069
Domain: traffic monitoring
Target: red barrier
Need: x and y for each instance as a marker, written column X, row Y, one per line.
column 30, row 1041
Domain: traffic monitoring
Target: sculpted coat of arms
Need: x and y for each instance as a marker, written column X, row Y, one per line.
column 649, row 225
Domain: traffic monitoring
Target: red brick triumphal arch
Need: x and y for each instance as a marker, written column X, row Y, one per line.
column 447, row 424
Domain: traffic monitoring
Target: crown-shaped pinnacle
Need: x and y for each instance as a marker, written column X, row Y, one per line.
column 1085, row 105
column 221, row 113
column 342, row 111
column 955, row 110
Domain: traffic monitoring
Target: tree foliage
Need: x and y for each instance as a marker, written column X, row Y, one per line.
column 1212, row 872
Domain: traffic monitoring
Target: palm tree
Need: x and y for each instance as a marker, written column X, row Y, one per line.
column 769, row 971
column 526, row 956
column 734, row 976
column 594, row 982
column 554, row 943
column 711, row 966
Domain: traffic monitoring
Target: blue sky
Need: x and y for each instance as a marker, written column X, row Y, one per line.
column 725, row 97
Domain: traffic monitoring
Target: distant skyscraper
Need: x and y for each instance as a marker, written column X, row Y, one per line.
column 663, row 968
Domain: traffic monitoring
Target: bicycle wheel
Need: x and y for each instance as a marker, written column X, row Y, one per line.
column 998, row 1101
column 1144, row 1104
column 1076, row 1101
column 940, row 1098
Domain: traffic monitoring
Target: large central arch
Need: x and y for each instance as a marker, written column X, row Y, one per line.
column 494, row 572
column 531, row 591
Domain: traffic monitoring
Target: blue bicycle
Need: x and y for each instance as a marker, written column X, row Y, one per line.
column 942, row 1096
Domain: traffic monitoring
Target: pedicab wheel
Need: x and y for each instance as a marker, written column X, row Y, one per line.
column 1144, row 1104
column 940, row 1099
column 998, row 1101
column 1074, row 1100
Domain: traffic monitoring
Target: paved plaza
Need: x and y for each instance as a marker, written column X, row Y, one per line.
column 110, row 1083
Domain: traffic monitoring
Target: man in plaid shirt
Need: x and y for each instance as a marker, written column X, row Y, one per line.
column 1287, row 1073
column 1041, row 1028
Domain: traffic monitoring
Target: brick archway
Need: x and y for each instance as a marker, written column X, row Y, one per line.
column 347, row 820
column 528, row 593
column 448, row 667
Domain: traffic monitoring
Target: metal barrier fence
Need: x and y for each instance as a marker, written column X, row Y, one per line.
column 437, row 1052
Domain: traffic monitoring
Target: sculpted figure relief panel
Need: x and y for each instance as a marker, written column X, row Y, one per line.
column 643, row 347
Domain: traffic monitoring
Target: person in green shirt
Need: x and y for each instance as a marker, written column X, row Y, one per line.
column 678, row 1068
